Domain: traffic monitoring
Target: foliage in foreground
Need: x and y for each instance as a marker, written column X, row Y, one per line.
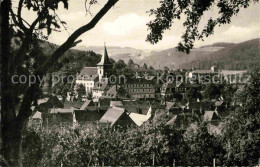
column 238, row 144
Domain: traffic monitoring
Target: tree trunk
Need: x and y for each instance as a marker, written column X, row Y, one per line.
column 10, row 132
column 12, row 145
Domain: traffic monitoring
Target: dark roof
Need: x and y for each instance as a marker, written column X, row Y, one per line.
column 88, row 71
column 54, row 102
column 104, row 60
column 88, row 116
column 74, row 104
column 104, row 103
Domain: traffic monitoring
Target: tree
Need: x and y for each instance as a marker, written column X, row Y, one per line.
column 242, row 128
column 212, row 91
column 81, row 90
column 203, row 147
column 192, row 11
column 145, row 66
column 14, row 118
column 119, row 65
column 192, row 93
column 130, row 63
column 90, row 96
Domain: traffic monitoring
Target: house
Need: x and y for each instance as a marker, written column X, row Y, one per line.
column 87, row 77
column 116, row 116
column 59, row 117
column 169, row 88
column 52, row 102
column 234, row 76
column 139, row 119
column 36, row 119
column 140, row 88
column 99, row 90
column 200, row 76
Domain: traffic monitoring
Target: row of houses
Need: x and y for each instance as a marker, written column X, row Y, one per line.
column 127, row 113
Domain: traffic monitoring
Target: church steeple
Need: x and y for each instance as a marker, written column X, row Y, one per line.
column 105, row 59
column 104, row 66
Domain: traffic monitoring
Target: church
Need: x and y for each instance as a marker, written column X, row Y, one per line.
column 96, row 78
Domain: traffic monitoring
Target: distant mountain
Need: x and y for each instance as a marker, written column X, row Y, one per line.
column 124, row 53
column 225, row 55
column 242, row 56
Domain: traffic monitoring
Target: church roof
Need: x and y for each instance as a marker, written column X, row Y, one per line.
column 105, row 59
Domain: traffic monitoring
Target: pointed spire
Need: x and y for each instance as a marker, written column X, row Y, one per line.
column 105, row 58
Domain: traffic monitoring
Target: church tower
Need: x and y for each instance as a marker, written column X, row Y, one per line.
column 104, row 67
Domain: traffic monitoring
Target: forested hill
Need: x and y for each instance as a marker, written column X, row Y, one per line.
column 73, row 60
column 239, row 56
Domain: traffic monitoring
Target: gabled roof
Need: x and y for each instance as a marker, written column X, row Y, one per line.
column 88, row 72
column 139, row 119
column 112, row 115
column 171, row 105
column 104, row 60
column 37, row 115
column 53, row 101
column 86, row 104
column 219, row 103
column 210, row 116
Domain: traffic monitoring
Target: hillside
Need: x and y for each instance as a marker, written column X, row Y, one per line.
column 73, row 60
column 239, row 56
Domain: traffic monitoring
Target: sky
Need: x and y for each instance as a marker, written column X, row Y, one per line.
column 125, row 25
